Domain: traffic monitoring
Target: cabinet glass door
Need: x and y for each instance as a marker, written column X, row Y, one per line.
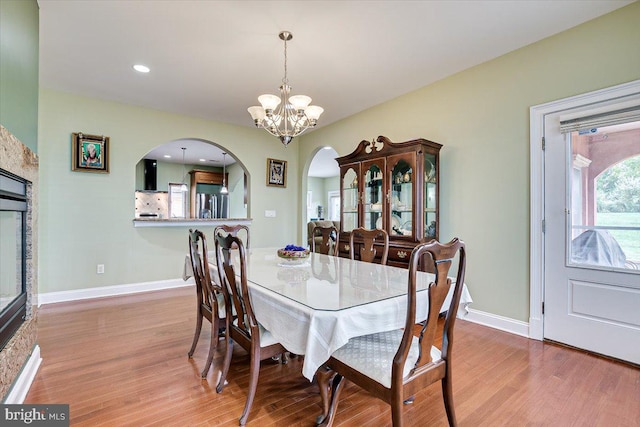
column 349, row 200
column 430, row 196
column 373, row 200
column 402, row 177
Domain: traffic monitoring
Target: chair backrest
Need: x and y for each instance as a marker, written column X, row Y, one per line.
column 443, row 256
column 322, row 223
column 205, row 288
column 234, row 284
column 328, row 234
column 372, row 242
column 233, row 230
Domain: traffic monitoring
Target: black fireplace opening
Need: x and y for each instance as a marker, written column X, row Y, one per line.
column 13, row 293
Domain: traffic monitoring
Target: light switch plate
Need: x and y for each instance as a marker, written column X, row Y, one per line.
column 270, row 214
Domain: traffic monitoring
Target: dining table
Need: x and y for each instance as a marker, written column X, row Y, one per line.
column 314, row 305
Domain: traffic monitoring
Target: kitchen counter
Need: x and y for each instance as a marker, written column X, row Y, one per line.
column 188, row 222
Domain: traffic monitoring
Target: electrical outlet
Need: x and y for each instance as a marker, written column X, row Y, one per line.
column 270, row 214
column 100, row 269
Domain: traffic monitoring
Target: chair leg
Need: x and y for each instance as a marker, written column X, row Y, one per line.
column 396, row 409
column 336, row 387
column 447, row 394
column 197, row 334
column 225, row 364
column 324, row 375
column 254, row 371
column 212, row 348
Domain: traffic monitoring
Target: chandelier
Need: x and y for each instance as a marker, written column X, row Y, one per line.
column 285, row 116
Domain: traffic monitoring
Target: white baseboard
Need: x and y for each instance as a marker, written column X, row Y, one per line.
column 23, row 382
column 495, row 321
column 108, row 291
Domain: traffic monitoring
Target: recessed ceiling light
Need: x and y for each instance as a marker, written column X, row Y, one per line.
column 203, row 160
column 141, row 68
column 166, row 156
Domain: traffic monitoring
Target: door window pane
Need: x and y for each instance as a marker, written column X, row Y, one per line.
column 604, row 220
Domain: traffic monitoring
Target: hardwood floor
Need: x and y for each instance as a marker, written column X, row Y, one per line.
column 122, row 361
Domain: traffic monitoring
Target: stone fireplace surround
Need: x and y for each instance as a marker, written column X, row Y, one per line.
column 20, row 358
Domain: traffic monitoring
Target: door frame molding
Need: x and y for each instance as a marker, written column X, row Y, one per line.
column 537, row 114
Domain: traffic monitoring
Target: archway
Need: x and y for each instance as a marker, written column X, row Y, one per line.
column 170, row 168
column 322, row 174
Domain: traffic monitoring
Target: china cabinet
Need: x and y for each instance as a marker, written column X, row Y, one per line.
column 392, row 186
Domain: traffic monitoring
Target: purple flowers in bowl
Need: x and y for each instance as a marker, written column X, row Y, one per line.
column 292, row 252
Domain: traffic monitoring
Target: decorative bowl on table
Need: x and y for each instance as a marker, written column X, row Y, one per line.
column 293, row 255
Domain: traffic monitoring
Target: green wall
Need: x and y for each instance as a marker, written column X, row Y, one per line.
column 320, row 188
column 316, row 186
column 86, row 218
column 19, row 69
column 481, row 116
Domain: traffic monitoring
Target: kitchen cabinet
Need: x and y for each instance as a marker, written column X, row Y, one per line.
column 392, row 186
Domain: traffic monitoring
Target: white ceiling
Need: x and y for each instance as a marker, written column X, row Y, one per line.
column 211, row 59
column 323, row 164
column 196, row 152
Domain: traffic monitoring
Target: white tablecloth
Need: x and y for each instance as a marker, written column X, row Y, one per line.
column 315, row 333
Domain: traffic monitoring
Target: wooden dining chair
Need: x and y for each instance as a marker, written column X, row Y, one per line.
column 372, row 242
column 395, row 365
column 234, row 230
column 328, row 234
column 210, row 299
column 245, row 329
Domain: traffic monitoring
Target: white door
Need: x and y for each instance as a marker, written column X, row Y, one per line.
column 334, row 205
column 592, row 234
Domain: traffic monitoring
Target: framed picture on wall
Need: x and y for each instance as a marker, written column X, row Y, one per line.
column 89, row 153
column 276, row 173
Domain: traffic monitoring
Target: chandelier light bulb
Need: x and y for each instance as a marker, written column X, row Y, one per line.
column 299, row 102
column 269, row 102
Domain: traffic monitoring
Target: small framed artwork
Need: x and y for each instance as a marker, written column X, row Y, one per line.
column 277, row 173
column 89, row 153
